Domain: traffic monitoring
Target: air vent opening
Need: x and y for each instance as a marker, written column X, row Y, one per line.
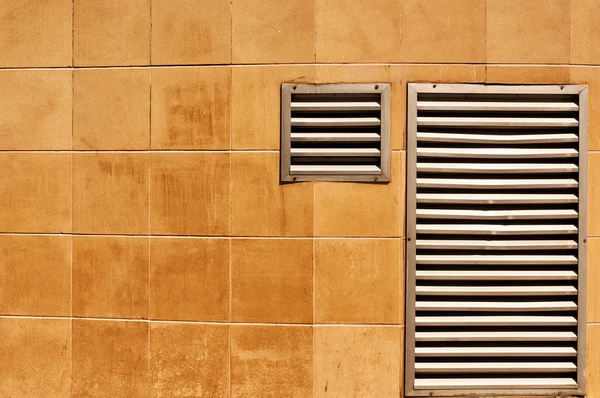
column 496, row 192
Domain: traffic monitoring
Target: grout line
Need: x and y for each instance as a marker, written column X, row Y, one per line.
column 223, row 323
column 72, row 176
column 148, row 359
column 149, row 208
column 230, row 313
column 150, row 44
column 401, row 14
column 485, row 32
column 570, row 43
column 229, row 362
column 231, row 32
column 154, row 236
column 72, row 189
column 314, row 292
column 230, row 203
column 73, row 33
column 314, row 254
column 109, row 151
column 315, row 46
column 315, row 64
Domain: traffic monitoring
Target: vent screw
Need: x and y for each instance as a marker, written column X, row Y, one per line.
column 293, row 88
column 585, row 241
column 294, row 179
column 409, row 239
column 376, row 87
column 375, row 179
column 562, row 87
column 435, row 85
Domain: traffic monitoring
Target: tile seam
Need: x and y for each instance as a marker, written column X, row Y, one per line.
column 72, row 210
column 233, row 237
column 223, row 323
column 315, row 64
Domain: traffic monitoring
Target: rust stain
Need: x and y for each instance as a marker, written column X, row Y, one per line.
column 190, row 113
column 106, row 167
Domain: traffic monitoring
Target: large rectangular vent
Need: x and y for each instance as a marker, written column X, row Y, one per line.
column 496, row 232
column 335, row 132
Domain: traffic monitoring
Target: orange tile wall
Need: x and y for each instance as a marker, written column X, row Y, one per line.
column 146, row 246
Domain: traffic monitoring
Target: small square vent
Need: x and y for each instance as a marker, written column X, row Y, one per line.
column 335, row 132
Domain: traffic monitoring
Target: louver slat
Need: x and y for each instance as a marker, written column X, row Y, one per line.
column 335, row 132
column 477, row 198
column 482, row 367
column 496, row 122
column 491, row 168
column 496, row 245
column 335, row 122
column 497, row 106
column 497, row 214
column 495, row 259
column 510, row 383
column 495, row 306
column 494, row 241
column 496, row 275
column 338, row 169
column 335, row 106
column 495, row 290
column 498, row 153
column 333, row 137
column 495, row 336
column 497, row 139
column 495, row 351
column 480, row 229
column 526, row 320
column 335, row 152
column 497, row 183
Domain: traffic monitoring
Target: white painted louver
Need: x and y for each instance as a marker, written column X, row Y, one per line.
column 335, row 132
column 496, row 229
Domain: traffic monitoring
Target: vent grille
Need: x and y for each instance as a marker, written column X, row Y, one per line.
column 335, row 132
column 496, row 188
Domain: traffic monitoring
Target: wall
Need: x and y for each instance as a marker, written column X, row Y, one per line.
column 146, row 246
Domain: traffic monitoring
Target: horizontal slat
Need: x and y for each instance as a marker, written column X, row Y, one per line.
column 489, row 306
column 496, row 214
column 496, row 121
column 489, row 367
column 496, row 245
column 495, row 336
column 480, row 229
column 495, row 320
column 334, row 169
column 335, row 106
column 455, row 183
column 335, row 121
column 335, row 137
column 473, row 198
column 496, row 275
column 514, row 106
column 497, row 139
column 495, row 260
column 335, row 152
column 496, row 290
column 495, row 168
column 494, row 351
column 498, row 153
column 493, row 383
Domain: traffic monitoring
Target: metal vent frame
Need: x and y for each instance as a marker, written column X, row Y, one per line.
column 288, row 89
column 411, row 189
